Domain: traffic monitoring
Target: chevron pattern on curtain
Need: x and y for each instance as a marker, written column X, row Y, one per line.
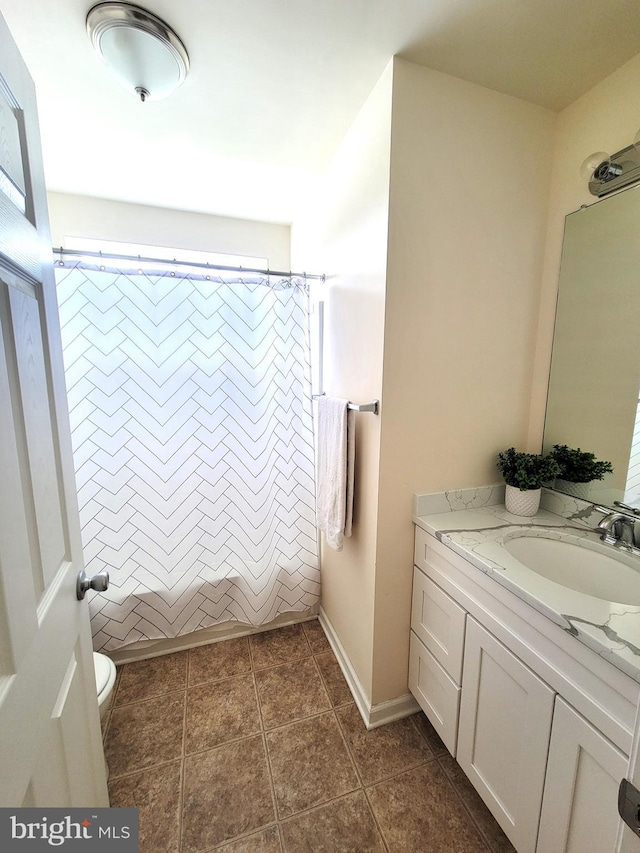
column 190, row 408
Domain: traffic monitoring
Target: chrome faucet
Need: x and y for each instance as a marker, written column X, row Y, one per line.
column 617, row 528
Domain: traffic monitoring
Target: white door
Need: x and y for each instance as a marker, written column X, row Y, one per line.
column 50, row 743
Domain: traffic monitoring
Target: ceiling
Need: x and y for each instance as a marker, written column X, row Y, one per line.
column 274, row 85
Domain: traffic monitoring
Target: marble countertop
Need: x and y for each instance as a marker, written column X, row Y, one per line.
column 478, row 533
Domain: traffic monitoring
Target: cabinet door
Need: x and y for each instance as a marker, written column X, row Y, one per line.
column 503, row 736
column 580, row 805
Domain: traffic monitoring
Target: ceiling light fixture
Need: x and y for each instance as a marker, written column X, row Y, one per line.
column 142, row 50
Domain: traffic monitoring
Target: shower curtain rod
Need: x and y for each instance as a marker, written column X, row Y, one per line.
column 138, row 259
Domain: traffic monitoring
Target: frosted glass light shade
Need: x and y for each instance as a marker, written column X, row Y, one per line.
column 142, row 50
column 591, row 163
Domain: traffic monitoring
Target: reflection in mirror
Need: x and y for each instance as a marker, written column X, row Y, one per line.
column 595, row 367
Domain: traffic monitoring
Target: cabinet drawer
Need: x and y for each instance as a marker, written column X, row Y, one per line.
column 439, row 622
column 436, row 693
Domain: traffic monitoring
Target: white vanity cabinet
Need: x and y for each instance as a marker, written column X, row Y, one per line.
column 541, row 724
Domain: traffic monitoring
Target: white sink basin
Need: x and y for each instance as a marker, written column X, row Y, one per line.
column 582, row 565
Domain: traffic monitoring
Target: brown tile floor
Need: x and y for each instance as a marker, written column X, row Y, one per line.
column 254, row 745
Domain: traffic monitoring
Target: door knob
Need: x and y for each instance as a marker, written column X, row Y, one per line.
column 99, row 582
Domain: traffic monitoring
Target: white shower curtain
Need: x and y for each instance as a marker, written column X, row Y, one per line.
column 190, row 409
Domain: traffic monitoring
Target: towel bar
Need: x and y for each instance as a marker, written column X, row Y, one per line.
column 365, row 407
column 373, row 407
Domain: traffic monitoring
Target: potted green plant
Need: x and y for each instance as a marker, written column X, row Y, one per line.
column 578, row 468
column 524, row 475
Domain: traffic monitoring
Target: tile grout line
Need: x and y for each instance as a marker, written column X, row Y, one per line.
column 437, row 757
column 322, row 684
column 458, row 793
column 435, row 754
column 181, row 803
column 155, row 697
column 258, row 703
column 326, row 683
column 183, row 758
column 250, row 648
column 405, row 769
column 375, row 820
column 274, row 796
column 349, row 752
column 332, row 801
column 367, row 788
column 242, row 837
column 301, row 720
column 318, row 806
column 282, row 663
column 272, row 789
column 144, row 769
column 346, row 746
column 444, row 754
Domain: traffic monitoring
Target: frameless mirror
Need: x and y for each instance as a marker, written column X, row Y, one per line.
column 595, row 368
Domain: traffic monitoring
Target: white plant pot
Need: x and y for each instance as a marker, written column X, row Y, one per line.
column 578, row 490
column 522, row 503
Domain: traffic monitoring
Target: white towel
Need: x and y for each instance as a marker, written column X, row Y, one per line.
column 336, row 457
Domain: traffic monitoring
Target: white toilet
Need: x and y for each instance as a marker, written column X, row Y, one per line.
column 105, row 670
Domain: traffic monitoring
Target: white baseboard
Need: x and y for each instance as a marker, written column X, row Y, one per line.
column 372, row 715
column 392, row 709
column 353, row 682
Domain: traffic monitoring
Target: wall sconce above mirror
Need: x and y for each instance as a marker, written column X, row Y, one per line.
column 607, row 173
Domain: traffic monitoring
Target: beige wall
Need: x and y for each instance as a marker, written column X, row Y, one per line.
column 466, row 200
column 468, row 205
column 607, row 119
column 81, row 216
column 480, row 184
column 345, row 235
